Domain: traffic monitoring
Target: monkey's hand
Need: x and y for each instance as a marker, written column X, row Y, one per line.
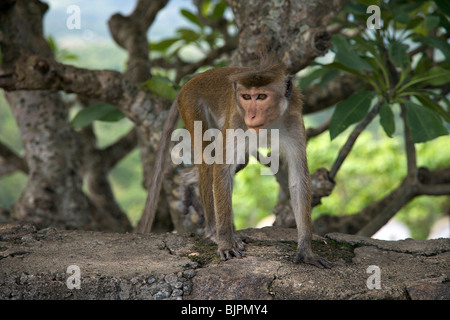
column 311, row 258
column 234, row 250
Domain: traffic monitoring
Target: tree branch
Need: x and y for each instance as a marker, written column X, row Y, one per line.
column 313, row 132
column 319, row 97
column 409, row 147
column 370, row 219
column 434, row 190
column 438, row 176
column 32, row 72
column 184, row 69
column 345, row 150
column 296, row 45
column 382, row 211
column 119, row 150
column 131, row 34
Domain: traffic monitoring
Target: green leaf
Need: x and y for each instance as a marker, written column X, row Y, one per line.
column 422, row 78
column 369, row 2
column 444, row 6
column 443, row 46
column 355, row 8
column 350, row 111
column 162, row 45
column 398, row 54
column 387, row 119
column 407, row 7
column 205, row 7
column 423, row 64
column 112, row 116
column 160, row 86
column 328, row 76
column 308, row 79
column 188, row 35
column 347, row 56
column 340, row 66
column 191, row 17
column 52, row 44
column 413, row 23
column 218, row 11
column 66, row 56
column 431, row 22
column 428, row 102
column 439, row 75
column 424, row 124
column 402, row 17
column 98, row 111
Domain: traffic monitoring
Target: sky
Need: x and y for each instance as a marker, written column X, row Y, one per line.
column 92, row 42
column 95, row 15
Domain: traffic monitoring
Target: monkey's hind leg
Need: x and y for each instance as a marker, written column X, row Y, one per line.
column 207, row 199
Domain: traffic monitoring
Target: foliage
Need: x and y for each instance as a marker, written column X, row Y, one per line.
column 404, row 69
column 61, row 54
column 350, row 111
column 254, row 195
column 387, row 61
column 200, row 35
column 98, row 111
column 162, row 87
column 396, row 68
column 108, row 113
column 126, row 183
column 11, row 185
column 373, row 169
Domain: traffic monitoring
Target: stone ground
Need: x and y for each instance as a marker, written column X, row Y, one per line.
column 84, row 265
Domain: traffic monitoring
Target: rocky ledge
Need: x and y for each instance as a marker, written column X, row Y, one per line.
column 85, row 265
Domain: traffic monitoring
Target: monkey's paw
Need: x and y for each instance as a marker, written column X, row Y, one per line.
column 235, row 250
column 313, row 259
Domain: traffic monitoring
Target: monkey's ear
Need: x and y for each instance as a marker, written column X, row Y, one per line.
column 288, row 92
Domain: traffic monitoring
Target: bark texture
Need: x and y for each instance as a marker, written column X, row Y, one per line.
column 296, row 31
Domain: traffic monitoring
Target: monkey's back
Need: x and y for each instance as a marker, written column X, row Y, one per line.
column 211, row 89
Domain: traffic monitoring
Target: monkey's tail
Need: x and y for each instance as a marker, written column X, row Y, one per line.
column 148, row 216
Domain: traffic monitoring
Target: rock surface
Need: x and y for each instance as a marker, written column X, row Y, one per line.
column 56, row 264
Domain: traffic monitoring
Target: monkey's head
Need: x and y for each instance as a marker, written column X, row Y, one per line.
column 262, row 95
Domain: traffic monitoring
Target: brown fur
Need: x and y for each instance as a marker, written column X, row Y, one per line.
column 215, row 98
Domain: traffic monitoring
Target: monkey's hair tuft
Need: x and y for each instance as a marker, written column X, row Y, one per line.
column 268, row 71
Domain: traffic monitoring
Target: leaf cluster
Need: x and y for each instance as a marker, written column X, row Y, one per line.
column 199, row 35
column 406, row 61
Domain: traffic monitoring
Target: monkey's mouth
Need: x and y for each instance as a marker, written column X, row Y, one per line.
column 259, row 126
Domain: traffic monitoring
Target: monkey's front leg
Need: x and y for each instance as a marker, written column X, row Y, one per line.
column 228, row 245
column 304, row 250
column 299, row 187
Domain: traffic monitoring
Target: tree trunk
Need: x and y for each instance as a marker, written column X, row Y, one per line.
column 53, row 195
column 54, row 152
column 294, row 30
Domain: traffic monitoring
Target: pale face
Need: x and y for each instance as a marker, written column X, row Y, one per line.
column 261, row 107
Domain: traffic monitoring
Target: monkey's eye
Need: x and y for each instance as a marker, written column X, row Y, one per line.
column 262, row 96
column 246, row 97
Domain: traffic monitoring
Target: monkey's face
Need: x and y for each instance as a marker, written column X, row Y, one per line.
column 261, row 107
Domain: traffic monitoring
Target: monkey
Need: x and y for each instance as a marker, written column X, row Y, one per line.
column 253, row 99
